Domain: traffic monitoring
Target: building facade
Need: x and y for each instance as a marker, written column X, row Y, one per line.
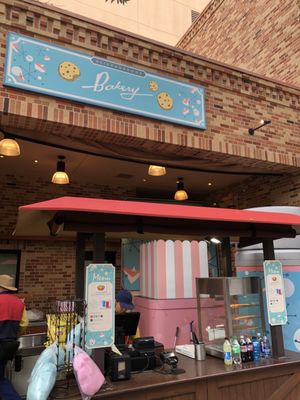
column 234, row 101
column 260, row 36
column 165, row 21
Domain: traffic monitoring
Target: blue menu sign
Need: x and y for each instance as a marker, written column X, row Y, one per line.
column 57, row 71
column 276, row 306
column 100, row 299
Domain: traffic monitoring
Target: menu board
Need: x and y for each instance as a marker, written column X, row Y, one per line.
column 100, row 299
column 275, row 294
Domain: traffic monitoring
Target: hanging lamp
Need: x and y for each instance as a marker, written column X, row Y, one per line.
column 60, row 177
column 156, row 170
column 9, row 147
column 180, row 194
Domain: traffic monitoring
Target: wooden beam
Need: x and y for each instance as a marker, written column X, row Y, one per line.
column 284, row 390
column 98, row 247
column 79, row 265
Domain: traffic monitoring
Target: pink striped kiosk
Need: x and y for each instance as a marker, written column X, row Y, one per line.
column 168, row 294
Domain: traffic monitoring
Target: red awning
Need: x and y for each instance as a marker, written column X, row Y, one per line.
column 101, row 215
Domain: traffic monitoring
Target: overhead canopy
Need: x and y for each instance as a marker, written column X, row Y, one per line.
column 67, row 215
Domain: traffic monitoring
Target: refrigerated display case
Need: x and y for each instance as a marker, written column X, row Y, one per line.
column 228, row 307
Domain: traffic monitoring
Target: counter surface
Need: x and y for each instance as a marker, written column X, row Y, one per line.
column 195, row 371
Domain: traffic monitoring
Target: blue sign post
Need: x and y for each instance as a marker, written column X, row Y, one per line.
column 276, row 306
column 100, row 299
column 57, row 71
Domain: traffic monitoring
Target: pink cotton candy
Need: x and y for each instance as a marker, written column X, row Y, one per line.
column 88, row 375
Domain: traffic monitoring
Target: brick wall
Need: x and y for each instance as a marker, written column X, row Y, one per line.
column 47, row 270
column 235, row 100
column 259, row 192
column 21, row 190
column 262, row 36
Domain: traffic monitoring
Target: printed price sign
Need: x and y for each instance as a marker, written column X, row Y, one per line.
column 100, row 299
column 276, row 306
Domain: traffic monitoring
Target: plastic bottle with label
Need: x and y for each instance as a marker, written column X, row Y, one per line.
column 256, row 348
column 266, row 347
column 243, row 344
column 260, row 339
column 227, row 351
column 249, row 348
column 236, row 352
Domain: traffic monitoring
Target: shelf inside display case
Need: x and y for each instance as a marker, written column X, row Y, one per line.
column 228, row 307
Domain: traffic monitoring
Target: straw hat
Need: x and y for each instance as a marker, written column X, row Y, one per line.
column 6, row 282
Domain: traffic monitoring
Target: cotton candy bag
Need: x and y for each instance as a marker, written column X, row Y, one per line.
column 42, row 383
column 43, row 375
column 88, row 375
column 49, row 355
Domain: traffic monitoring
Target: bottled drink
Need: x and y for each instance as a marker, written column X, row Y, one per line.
column 260, row 340
column 249, row 349
column 227, row 352
column 256, row 348
column 236, row 352
column 243, row 344
column 266, row 347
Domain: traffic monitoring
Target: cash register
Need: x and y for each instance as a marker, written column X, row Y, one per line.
column 139, row 356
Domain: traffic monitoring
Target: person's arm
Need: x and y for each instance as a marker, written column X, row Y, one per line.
column 24, row 321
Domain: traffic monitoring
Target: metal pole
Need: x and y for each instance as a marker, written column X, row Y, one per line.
column 276, row 331
column 79, row 268
column 99, row 257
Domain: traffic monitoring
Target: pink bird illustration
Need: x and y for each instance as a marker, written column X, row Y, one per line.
column 15, row 47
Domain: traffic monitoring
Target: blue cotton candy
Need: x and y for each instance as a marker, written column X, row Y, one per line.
column 49, row 355
column 42, row 382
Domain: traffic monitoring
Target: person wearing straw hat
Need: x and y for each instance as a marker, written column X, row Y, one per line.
column 13, row 316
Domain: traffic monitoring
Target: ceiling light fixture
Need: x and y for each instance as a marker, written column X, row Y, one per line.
column 60, row 177
column 180, row 194
column 263, row 122
column 156, row 170
column 9, row 146
column 215, row 240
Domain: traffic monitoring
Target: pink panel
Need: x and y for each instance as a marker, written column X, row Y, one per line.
column 161, row 269
column 146, row 269
column 195, row 250
column 153, row 283
column 178, row 269
column 149, row 284
column 161, row 320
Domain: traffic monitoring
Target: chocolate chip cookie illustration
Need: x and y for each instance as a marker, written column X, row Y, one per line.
column 68, row 71
column 165, row 101
column 153, row 86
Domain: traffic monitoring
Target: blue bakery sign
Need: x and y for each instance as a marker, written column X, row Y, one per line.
column 57, row 71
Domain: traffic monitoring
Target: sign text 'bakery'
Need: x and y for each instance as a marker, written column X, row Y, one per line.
column 56, row 71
